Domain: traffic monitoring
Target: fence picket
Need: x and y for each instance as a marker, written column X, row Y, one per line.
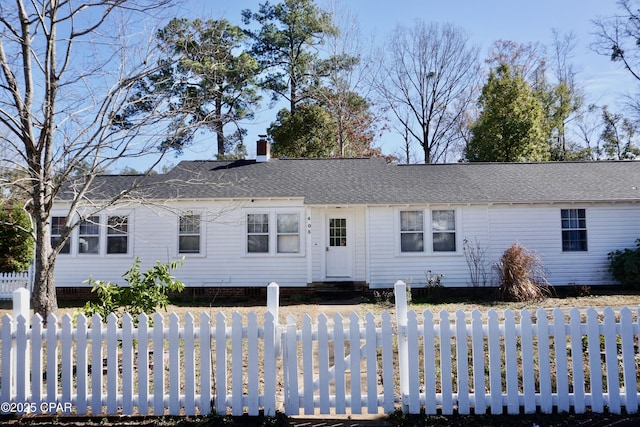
column 221, row 364
column 495, row 369
column 354, row 364
column 158, row 364
column 112, row 363
column 270, row 369
column 22, row 360
column 52, row 358
column 143, row 364
column 388, row 373
column 429, row 364
column 445, row 364
column 611, row 358
column 462, row 363
column 174, row 365
column 560, row 351
column 189, row 366
column 307, row 365
column 323, row 364
column 66, row 365
column 236, row 364
column 96, row 364
column 595, row 368
column 253, row 403
column 127, row 364
column 510, row 347
column 36, row 362
column 477, row 355
column 81, row 364
column 206, row 364
column 577, row 367
column 6, row 392
column 292, row 402
column 528, row 373
column 544, row 361
column 339, row 364
column 372, row 363
column 628, row 361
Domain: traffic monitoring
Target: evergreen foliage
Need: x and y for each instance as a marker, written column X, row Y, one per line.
column 511, row 125
column 16, row 241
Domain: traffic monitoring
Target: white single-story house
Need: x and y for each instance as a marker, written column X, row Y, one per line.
column 246, row 223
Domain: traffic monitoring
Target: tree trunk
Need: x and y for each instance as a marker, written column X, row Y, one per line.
column 44, row 299
column 218, row 125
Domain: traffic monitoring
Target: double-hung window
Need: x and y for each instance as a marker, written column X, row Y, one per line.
column 258, row 233
column 443, row 227
column 117, row 234
column 416, row 237
column 89, row 236
column 57, row 229
column 189, row 234
column 574, row 230
column 411, row 231
column 288, row 233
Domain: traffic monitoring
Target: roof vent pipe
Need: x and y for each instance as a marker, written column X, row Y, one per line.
column 263, row 149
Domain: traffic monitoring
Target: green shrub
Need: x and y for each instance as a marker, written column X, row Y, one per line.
column 625, row 266
column 521, row 275
column 16, row 243
column 146, row 292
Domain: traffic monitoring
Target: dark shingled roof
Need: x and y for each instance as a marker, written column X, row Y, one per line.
column 374, row 182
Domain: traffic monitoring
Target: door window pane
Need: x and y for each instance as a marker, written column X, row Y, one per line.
column 337, row 232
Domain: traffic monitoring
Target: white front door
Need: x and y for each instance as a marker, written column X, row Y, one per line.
column 338, row 247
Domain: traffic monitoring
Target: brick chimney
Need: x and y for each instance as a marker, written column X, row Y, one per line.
column 263, row 150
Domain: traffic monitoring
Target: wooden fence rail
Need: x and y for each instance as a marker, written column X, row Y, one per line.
column 496, row 361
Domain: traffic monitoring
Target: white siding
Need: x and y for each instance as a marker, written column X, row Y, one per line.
column 377, row 259
column 223, row 260
column 388, row 264
column 538, row 227
column 609, row 227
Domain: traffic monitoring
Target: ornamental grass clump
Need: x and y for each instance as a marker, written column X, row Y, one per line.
column 521, row 275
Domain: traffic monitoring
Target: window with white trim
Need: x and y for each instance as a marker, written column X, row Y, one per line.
column 288, row 240
column 89, row 236
column 258, row 233
column 117, row 235
column 574, row 230
column 189, row 234
column 57, row 229
column 443, row 228
column 411, row 231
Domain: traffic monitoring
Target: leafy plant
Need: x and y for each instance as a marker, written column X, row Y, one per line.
column 146, row 292
column 625, row 266
column 521, row 275
column 16, row 243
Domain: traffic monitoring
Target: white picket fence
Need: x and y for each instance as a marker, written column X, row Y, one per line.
column 498, row 362
column 9, row 282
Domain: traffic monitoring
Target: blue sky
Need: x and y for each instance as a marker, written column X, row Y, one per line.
column 485, row 21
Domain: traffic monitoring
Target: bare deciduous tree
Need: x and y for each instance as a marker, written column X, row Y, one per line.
column 429, row 73
column 67, row 73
